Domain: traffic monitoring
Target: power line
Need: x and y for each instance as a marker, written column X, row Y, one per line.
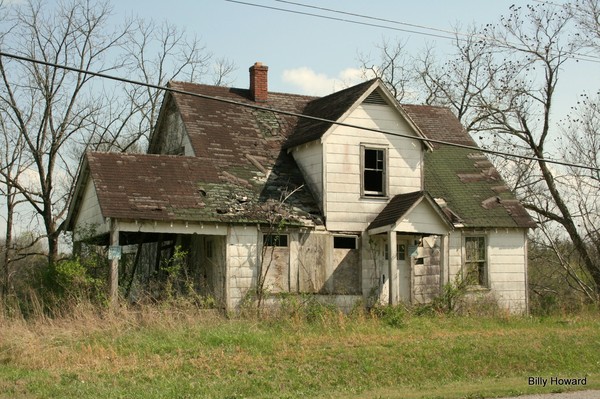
column 375, row 18
column 455, row 34
column 288, row 113
column 338, row 19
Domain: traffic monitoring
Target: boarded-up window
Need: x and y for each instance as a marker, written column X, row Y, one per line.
column 275, row 266
column 346, row 263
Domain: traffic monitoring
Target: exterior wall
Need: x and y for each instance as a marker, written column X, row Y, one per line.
column 242, row 255
column 508, row 268
column 309, row 158
column 327, row 270
column 90, row 214
column 310, row 264
column 422, row 219
column 507, row 265
column 345, row 209
column 375, row 269
column 425, row 268
column 172, row 134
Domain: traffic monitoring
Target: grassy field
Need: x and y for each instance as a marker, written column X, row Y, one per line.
column 168, row 354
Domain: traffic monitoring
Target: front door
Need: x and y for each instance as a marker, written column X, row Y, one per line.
column 403, row 263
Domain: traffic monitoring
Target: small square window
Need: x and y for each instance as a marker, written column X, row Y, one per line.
column 401, row 251
column 344, row 242
column 275, row 240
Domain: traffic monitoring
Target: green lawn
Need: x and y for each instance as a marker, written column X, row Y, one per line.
column 158, row 355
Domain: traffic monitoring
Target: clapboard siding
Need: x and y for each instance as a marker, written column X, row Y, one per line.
column 422, row 219
column 346, row 210
column 309, row 158
column 90, row 214
column 506, row 256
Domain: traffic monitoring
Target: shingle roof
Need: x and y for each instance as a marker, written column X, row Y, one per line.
column 139, row 186
column 169, row 188
column 465, row 179
column 397, row 207
column 330, row 107
column 241, row 163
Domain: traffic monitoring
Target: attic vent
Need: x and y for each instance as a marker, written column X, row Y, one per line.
column 375, row 98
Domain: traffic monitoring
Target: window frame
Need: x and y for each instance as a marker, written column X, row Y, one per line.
column 384, row 171
column 345, row 237
column 482, row 262
column 274, row 240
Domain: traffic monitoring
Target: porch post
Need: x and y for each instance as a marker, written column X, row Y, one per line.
column 393, row 268
column 113, row 282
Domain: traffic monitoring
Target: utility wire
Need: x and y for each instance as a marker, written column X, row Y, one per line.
column 288, row 113
column 375, row 18
column 442, row 35
column 339, row 19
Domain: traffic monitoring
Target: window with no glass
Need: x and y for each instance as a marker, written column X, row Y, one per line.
column 344, row 242
column 374, row 172
column 275, row 240
column 475, row 261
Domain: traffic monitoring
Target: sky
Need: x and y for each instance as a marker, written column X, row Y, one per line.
column 305, row 54
column 315, row 56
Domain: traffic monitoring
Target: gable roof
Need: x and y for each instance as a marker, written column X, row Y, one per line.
column 400, row 205
column 330, row 107
column 464, row 178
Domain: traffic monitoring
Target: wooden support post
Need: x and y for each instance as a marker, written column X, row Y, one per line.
column 393, row 268
column 113, row 282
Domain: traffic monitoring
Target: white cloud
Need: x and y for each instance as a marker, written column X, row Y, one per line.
column 319, row 84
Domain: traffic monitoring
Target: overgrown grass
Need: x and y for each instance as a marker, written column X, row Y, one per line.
column 167, row 353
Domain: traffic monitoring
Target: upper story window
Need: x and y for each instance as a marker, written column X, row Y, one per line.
column 476, row 261
column 374, row 171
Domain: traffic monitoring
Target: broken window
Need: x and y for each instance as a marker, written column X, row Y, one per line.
column 374, row 171
column 208, row 249
column 401, row 251
column 275, row 240
column 475, row 261
column 344, row 242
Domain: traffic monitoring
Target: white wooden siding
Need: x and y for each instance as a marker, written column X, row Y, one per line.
column 173, row 135
column 422, row 219
column 309, row 158
column 506, row 261
column 507, row 268
column 90, row 214
column 345, row 209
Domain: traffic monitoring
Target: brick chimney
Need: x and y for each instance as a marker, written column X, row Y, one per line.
column 258, row 82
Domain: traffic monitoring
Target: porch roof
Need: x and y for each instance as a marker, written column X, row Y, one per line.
column 415, row 212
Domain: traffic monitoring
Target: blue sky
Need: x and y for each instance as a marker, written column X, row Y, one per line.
column 304, row 53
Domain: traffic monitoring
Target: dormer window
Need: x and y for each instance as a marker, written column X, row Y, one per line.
column 374, row 162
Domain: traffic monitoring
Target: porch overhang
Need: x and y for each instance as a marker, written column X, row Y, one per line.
column 415, row 212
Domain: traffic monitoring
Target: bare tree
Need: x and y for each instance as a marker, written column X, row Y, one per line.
column 503, row 85
column 460, row 81
column 539, row 41
column 57, row 114
column 47, row 106
column 393, row 67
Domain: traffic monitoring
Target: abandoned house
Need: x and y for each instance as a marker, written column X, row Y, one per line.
column 364, row 209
